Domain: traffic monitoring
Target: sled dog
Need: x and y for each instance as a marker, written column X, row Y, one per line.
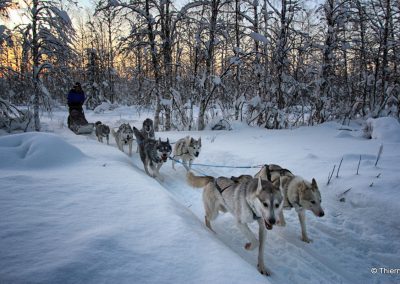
column 301, row 195
column 148, row 129
column 124, row 136
column 297, row 192
column 153, row 153
column 186, row 149
column 247, row 199
column 102, row 130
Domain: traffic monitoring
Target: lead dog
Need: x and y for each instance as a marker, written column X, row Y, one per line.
column 247, row 199
column 186, row 149
column 298, row 194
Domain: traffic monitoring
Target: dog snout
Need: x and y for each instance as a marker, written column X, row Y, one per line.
column 272, row 221
column 196, row 154
column 321, row 214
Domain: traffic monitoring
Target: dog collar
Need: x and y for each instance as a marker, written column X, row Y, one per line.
column 255, row 217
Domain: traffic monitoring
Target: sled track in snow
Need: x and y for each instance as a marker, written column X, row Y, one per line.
column 286, row 255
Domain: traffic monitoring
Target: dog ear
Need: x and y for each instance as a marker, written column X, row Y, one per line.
column 199, row 141
column 168, row 140
column 159, row 139
column 259, row 186
column 314, row 185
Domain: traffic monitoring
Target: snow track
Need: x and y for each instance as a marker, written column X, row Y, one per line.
column 286, row 255
column 341, row 252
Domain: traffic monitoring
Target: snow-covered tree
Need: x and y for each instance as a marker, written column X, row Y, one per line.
column 48, row 34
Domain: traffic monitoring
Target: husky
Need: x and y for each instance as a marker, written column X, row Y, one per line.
column 186, row 149
column 148, row 129
column 124, row 136
column 102, row 130
column 297, row 192
column 301, row 195
column 153, row 153
column 248, row 199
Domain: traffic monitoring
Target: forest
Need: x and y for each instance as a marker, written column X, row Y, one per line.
column 273, row 64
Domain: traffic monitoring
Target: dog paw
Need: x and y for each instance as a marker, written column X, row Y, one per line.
column 306, row 240
column 251, row 246
column 263, row 270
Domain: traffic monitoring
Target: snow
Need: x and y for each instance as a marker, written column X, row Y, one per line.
column 385, row 128
column 104, row 106
column 166, row 102
column 76, row 210
column 259, row 37
column 216, row 80
column 36, row 150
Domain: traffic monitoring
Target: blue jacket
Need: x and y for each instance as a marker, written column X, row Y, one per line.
column 75, row 97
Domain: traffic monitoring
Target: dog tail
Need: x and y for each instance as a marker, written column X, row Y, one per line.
column 197, row 181
column 113, row 133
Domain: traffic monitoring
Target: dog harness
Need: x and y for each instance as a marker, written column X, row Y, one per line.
column 221, row 190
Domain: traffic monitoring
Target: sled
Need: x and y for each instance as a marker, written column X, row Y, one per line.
column 83, row 129
column 78, row 123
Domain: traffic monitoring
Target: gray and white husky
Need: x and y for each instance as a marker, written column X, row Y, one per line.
column 124, row 136
column 102, row 131
column 247, row 199
column 298, row 194
column 153, row 153
column 186, row 149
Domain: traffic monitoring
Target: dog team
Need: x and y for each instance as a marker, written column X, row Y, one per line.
column 261, row 198
column 153, row 153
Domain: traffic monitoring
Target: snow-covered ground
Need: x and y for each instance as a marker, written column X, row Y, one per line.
column 74, row 210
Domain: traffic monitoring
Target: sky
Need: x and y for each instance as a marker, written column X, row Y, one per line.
column 15, row 15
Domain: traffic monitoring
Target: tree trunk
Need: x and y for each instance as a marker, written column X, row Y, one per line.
column 206, row 91
column 153, row 51
column 35, row 67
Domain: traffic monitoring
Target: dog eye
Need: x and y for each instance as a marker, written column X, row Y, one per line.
column 277, row 205
column 312, row 202
column 265, row 204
